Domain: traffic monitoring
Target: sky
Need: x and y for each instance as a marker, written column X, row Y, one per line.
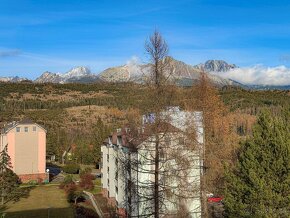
column 57, row 35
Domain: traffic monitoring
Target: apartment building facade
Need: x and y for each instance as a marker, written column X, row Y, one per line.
column 25, row 142
column 127, row 173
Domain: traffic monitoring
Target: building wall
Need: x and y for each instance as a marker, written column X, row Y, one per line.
column 109, row 189
column 190, row 181
column 104, row 178
column 11, row 147
column 143, row 179
column 27, row 151
column 41, row 152
column 111, row 173
column 3, row 141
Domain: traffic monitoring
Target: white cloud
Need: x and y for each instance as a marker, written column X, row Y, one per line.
column 134, row 66
column 259, row 75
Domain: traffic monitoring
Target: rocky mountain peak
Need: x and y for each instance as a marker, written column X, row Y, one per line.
column 215, row 66
column 12, row 79
column 77, row 72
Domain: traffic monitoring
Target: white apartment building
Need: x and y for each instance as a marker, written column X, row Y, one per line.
column 127, row 166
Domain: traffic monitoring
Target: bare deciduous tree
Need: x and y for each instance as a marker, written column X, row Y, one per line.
column 166, row 155
column 220, row 138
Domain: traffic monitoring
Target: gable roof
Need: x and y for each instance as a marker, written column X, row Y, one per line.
column 131, row 139
column 13, row 124
column 172, row 120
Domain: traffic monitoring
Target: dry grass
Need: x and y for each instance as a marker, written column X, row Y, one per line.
column 88, row 115
column 54, row 96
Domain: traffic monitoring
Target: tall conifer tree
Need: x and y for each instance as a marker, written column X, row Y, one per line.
column 259, row 185
column 8, row 179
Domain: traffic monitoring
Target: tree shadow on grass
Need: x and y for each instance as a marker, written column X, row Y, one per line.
column 83, row 211
column 2, row 210
column 43, row 213
column 20, row 192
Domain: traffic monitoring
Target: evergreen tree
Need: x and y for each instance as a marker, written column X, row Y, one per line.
column 8, row 179
column 259, row 185
column 100, row 134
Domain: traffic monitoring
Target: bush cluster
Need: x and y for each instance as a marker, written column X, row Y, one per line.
column 71, row 168
column 87, row 181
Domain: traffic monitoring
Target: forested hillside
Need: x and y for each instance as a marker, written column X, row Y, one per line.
column 70, row 111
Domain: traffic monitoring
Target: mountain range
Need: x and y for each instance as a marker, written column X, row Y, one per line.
column 183, row 74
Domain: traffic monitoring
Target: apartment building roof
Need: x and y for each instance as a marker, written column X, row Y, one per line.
column 13, row 124
column 132, row 138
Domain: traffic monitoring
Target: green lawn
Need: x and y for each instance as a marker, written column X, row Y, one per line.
column 97, row 189
column 43, row 201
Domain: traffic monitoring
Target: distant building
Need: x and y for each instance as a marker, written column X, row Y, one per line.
column 126, row 190
column 25, row 142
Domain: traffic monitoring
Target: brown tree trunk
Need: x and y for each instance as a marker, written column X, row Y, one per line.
column 156, row 181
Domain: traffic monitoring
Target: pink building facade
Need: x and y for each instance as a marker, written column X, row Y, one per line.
column 25, row 142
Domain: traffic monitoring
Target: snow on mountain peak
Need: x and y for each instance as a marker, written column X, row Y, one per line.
column 77, row 72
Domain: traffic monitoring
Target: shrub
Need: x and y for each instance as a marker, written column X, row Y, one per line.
column 32, row 182
column 69, row 188
column 87, row 181
column 68, row 179
column 73, row 193
column 87, row 170
column 71, row 168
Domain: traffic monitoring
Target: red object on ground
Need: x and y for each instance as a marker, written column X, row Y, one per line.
column 215, row 199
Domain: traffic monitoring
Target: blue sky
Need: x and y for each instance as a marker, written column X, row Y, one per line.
column 56, row 35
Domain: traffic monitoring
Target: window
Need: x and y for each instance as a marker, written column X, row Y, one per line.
column 162, row 154
column 17, row 129
column 34, row 129
column 108, row 194
column 181, row 141
column 119, row 140
column 108, row 169
column 116, row 188
column 167, row 141
column 108, row 157
column 26, row 129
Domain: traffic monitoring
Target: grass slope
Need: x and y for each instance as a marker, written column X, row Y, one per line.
column 43, row 201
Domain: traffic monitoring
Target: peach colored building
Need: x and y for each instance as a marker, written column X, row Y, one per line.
column 25, row 142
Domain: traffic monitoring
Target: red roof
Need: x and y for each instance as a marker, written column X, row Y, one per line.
column 131, row 138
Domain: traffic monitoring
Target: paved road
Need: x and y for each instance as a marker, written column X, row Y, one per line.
column 93, row 200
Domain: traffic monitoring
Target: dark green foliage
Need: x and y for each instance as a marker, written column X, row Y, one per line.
column 52, row 114
column 253, row 101
column 71, row 168
column 73, row 192
column 259, row 185
column 9, row 181
column 87, row 170
column 101, row 132
column 121, row 96
column 68, row 179
column 83, row 152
